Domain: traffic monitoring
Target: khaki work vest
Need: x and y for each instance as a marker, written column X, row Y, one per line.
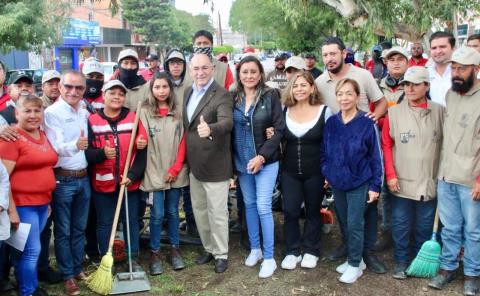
column 418, row 137
column 460, row 162
column 164, row 136
column 135, row 95
column 390, row 95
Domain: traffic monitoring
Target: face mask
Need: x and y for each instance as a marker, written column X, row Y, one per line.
column 129, row 77
column 94, row 88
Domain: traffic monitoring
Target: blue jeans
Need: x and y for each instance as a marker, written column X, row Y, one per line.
column 105, row 204
column 165, row 201
column 257, row 194
column 25, row 262
column 71, row 201
column 460, row 216
column 411, row 217
column 351, row 206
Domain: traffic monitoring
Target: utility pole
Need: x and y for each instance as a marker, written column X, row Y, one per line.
column 220, row 34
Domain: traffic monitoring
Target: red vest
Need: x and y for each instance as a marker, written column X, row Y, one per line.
column 106, row 175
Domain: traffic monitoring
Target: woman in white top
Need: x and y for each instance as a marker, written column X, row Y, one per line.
column 302, row 180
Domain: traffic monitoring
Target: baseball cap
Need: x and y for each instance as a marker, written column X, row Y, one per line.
column 175, row 54
column 128, row 52
column 295, row 62
column 20, row 75
column 92, row 65
column 466, row 56
column 396, row 50
column 152, row 57
column 113, row 83
column 377, row 48
column 416, row 74
column 350, row 50
column 281, row 56
column 49, row 75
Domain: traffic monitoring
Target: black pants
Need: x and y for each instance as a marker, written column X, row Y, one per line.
column 297, row 189
column 91, row 248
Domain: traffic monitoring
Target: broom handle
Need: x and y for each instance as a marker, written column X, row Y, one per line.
column 124, row 176
column 435, row 223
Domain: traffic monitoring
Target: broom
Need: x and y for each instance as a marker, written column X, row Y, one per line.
column 101, row 280
column 427, row 262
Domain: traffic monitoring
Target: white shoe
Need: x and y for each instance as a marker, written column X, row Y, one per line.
column 351, row 275
column 267, row 268
column 343, row 267
column 254, row 257
column 290, row 262
column 309, row 261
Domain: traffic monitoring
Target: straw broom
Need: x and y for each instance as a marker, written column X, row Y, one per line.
column 101, row 280
column 427, row 262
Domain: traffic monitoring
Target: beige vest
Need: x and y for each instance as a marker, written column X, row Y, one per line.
column 418, row 137
column 46, row 101
column 460, row 162
column 165, row 134
column 135, row 95
column 391, row 96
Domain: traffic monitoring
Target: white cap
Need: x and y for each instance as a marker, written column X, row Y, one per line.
column 127, row 52
column 466, row 56
column 295, row 62
column 92, row 65
column 112, row 83
column 49, row 75
column 396, row 50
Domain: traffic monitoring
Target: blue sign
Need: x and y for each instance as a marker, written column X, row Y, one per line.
column 81, row 32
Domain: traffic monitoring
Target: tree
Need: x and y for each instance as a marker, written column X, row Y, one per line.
column 410, row 20
column 31, row 24
column 195, row 22
column 157, row 23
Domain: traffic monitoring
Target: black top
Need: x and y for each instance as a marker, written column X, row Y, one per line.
column 315, row 72
column 9, row 114
column 302, row 154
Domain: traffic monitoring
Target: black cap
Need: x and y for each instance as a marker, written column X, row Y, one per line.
column 310, row 55
column 151, row 57
column 281, row 56
column 20, row 75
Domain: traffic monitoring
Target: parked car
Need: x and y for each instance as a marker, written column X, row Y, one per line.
column 36, row 76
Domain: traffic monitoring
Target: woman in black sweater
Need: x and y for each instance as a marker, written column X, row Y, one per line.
column 302, row 180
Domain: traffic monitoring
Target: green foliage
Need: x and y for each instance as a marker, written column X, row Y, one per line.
column 222, row 49
column 30, row 25
column 157, row 23
column 293, row 26
column 195, row 22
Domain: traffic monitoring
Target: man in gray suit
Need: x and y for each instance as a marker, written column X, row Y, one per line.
column 208, row 122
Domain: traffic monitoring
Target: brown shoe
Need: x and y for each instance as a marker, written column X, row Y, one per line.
column 81, row 276
column 71, row 287
column 176, row 259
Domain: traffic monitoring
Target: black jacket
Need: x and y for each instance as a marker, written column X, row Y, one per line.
column 267, row 113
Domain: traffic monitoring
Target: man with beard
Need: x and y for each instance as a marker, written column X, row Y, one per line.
column 93, row 71
column 137, row 87
column 333, row 54
column 459, row 175
column 441, row 48
column 278, row 78
column 51, row 92
column 417, row 58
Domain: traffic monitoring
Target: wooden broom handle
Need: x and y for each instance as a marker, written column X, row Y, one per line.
column 435, row 222
column 124, row 177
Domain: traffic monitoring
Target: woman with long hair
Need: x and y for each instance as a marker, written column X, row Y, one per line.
column 256, row 108
column 166, row 172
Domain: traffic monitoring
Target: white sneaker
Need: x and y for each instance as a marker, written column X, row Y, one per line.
column 309, row 261
column 253, row 258
column 290, row 262
column 343, row 267
column 351, row 275
column 267, row 268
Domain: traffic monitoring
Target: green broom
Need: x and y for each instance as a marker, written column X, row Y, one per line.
column 427, row 262
column 101, row 281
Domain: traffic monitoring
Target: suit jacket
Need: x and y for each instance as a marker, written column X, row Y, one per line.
column 210, row 159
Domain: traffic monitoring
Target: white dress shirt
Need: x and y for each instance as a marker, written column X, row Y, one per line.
column 440, row 84
column 63, row 126
column 4, row 199
column 196, row 97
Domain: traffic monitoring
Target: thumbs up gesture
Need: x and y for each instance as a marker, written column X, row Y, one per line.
column 82, row 142
column 141, row 143
column 203, row 129
column 110, row 152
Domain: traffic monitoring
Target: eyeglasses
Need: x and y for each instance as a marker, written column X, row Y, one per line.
column 76, row 87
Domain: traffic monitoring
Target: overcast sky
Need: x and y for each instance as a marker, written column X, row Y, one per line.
column 197, row 7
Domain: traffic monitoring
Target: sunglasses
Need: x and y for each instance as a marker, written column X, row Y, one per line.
column 76, row 87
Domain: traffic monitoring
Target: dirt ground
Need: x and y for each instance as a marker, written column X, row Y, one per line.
column 241, row 280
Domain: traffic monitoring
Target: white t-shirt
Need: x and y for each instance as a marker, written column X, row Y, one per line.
column 440, row 84
column 300, row 129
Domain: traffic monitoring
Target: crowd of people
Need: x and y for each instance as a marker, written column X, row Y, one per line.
column 403, row 131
